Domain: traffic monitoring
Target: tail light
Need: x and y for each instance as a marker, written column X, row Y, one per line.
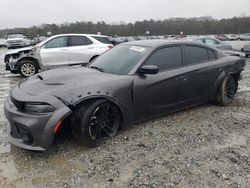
column 110, row 46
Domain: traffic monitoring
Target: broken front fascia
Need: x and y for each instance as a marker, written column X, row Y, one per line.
column 16, row 57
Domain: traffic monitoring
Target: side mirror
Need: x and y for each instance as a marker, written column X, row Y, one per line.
column 149, row 69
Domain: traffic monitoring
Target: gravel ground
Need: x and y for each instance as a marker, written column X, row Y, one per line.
column 205, row 146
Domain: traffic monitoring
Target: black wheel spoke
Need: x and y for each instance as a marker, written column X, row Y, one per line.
column 230, row 89
column 99, row 133
column 104, row 122
column 110, row 129
column 106, row 132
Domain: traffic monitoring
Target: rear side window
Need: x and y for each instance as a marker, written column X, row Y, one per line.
column 166, row 58
column 58, row 42
column 103, row 40
column 79, row 41
column 211, row 55
column 195, row 54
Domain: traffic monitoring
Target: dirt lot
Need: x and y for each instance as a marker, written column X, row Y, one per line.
column 205, row 146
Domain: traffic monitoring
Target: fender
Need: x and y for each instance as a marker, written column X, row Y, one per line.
column 217, row 84
column 126, row 110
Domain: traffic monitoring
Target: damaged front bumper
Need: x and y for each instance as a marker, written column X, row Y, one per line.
column 32, row 131
column 11, row 64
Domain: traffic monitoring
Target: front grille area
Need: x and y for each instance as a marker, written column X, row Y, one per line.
column 24, row 133
column 18, row 104
column 14, row 41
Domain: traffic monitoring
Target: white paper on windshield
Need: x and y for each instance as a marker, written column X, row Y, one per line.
column 137, row 48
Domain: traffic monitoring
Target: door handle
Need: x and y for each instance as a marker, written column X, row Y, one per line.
column 64, row 50
column 90, row 48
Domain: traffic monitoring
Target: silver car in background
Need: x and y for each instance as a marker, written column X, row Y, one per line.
column 213, row 42
column 56, row 51
column 228, row 49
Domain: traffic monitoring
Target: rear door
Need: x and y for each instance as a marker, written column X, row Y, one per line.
column 201, row 73
column 54, row 52
column 81, row 49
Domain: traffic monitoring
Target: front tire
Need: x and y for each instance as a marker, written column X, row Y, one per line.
column 27, row 68
column 96, row 122
column 227, row 90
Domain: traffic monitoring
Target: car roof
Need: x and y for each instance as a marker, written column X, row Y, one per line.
column 160, row 42
column 68, row 34
column 78, row 34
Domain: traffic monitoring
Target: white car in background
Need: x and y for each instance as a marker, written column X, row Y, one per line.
column 232, row 37
column 245, row 36
column 57, row 51
column 17, row 41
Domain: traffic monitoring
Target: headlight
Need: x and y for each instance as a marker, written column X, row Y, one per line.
column 38, row 108
column 34, row 49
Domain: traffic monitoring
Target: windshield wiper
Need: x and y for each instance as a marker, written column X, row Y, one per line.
column 97, row 68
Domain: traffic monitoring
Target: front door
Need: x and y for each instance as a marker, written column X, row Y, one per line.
column 162, row 92
column 54, row 53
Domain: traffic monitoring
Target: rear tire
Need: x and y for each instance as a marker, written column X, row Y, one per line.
column 95, row 122
column 27, row 68
column 227, row 90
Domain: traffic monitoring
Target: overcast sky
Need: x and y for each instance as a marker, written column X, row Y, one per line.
column 24, row 13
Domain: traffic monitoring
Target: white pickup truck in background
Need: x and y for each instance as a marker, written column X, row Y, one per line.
column 17, row 41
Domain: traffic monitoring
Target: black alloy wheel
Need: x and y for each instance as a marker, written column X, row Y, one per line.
column 230, row 89
column 96, row 122
column 227, row 90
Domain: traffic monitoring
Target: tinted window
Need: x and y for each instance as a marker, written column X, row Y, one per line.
column 211, row 54
column 119, row 60
column 103, row 40
column 196, row 54
column 166, row 58
column 79, row 41
column 58, row 42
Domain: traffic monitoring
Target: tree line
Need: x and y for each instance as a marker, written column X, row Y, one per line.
column 189, row 26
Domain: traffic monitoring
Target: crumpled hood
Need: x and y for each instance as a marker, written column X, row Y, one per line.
column 71, row 82
column 18, row 50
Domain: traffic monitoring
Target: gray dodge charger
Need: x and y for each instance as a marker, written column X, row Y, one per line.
column 129, row 83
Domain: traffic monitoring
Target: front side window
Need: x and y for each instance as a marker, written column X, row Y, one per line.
column 195, row 54
column 58, row 42
column 166, row 58
column 79, row 41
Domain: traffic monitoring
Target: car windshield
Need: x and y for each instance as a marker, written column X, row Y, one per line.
column 14, row 36
column 119, row 60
